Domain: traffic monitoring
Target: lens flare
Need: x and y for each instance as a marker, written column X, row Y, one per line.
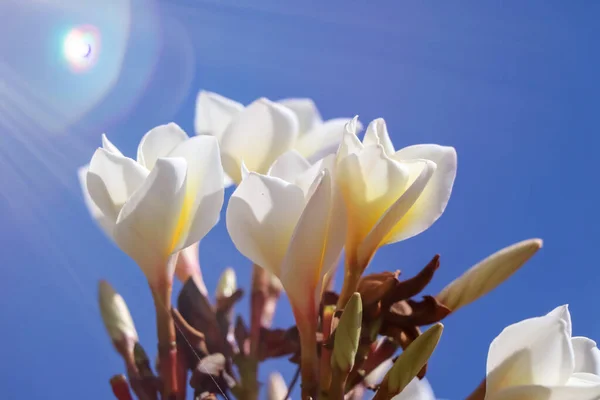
column 81, row 47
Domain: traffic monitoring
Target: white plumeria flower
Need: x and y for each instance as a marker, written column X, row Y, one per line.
column 538, row 359
column 391, row 195
column 256, row 135
column 292, row 223
column 165, row 201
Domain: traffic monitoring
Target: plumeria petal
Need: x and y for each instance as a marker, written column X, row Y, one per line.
column 377, row 133
column 535, row 392
column 323, row 139
column 315, row 246
column 417, row 389
column 349, row 143
column 289, row 166
column 258, row 135
column 204, row 189
column 111, row 180
column 214, row 112
column 106, row 223
column 435, row 197
column 146, row 226
column 370, row 183
column 396, row 222
column 587, row 355
column 537, row 350
column 107, row 145
column 306, row 111
column 159, row 142
column 261, row 217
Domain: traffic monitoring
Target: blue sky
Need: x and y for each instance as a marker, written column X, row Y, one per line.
column 511, row 85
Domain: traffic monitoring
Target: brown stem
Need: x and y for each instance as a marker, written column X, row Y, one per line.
column 338, row 384
column 167, row 350
column 308, row 357
column 325, row 368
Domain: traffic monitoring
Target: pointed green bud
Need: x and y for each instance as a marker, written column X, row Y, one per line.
column 410, row 361
column 347, row 335
column 227, row 284
column 115, row 314
column 488, row 274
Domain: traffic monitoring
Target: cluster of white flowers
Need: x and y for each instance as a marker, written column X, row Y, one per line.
column 306, row 190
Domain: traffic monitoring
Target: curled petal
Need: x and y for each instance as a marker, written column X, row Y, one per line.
column 147, row 224
column 323, row 139
column 315, row 246
column 289, row 166
column 587, row 355
column 111, row 180
column 538, row 392
column 261, row 216
column 204, row 189
column 536, row 351
column 399, row 219
column 213, row 113
column 107, row 223
column 370, row 183
column 258, row 135
column 159, row 142
column 306, row 111
column 108, row 146
column 377, row 133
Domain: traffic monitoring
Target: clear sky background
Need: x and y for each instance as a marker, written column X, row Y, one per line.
column 512, row 85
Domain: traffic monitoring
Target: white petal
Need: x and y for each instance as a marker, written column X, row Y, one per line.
column 317, row 242
column 536, row 351
column 377, row 133
column 261, row 216
column 258, row 135
column 583, row 379
column 532, row 392
column 159, row 142
column 213, row 113
column 112, row 179
column 204, row 188
column 370, row 183
column 308, row 177
column 107, row 145
column 306, row 111
column 434, row 199
column 392, row 226
column 563, row 313
column 147, row 223
column 350, row 143
column 587, row 355
column 106, row 223
column 289, row 166
column 323, row 139
column 417, row 389
column 377, row 375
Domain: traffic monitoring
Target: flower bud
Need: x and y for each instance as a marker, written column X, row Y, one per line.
column 347, row 335
column 227, row 284
column 487, row 274
column 116, row 316
column 277, row 389
column 410, row 361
